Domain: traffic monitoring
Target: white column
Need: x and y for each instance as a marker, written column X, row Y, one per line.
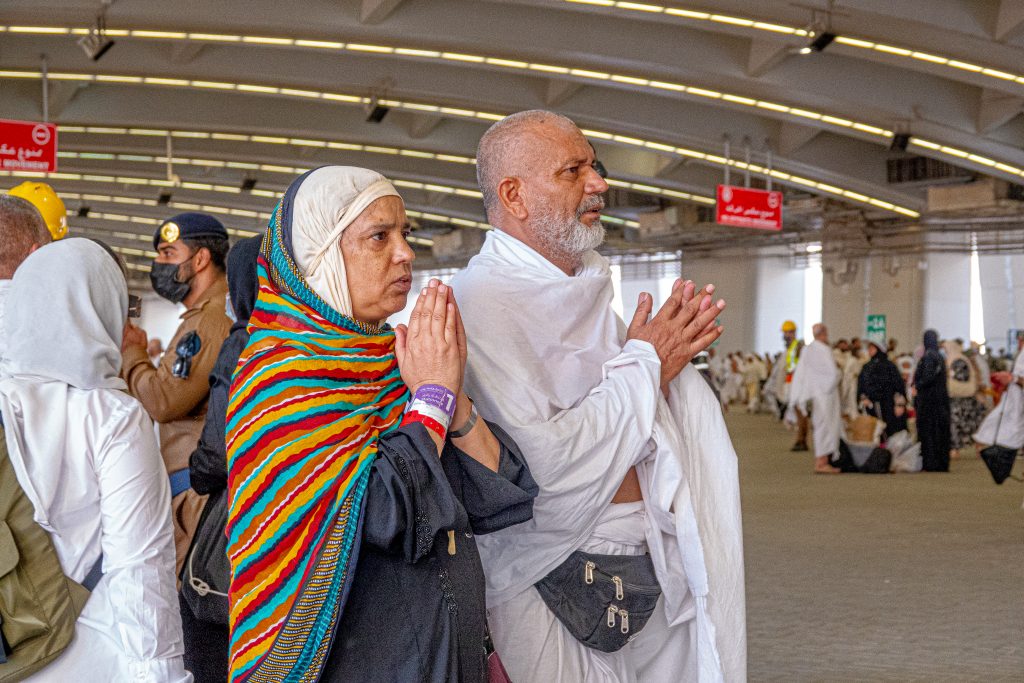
column 947, row 295
column 736, row 281
column 779, row 297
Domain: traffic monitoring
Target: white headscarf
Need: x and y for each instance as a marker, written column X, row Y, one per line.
column 65, row 317
column 329, row 200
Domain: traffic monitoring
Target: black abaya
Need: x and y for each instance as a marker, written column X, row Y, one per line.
column 416, row 611
column 932, row 407
column 881, row 382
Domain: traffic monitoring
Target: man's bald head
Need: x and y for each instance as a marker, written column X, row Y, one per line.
column 22, row 231
column 512, row 147
column 820, row 332
column 540, row 185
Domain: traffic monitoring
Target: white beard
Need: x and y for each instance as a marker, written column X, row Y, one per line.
column 567, row 237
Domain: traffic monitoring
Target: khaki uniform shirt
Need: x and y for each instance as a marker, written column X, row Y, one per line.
column 178, row 404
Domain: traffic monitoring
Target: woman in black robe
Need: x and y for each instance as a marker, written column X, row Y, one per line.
column 880, row 387
column 931, row 403
column 403, row 600
column 416, row 609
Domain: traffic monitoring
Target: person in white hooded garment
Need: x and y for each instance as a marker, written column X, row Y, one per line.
column 624, row 437
column 816, row 381
column 86, row 456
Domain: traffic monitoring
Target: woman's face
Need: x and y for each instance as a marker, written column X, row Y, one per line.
column 378, row 260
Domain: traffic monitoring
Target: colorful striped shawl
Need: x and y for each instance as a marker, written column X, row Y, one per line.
column 312, row 393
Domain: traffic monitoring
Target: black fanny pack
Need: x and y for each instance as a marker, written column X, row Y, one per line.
column 603, row 600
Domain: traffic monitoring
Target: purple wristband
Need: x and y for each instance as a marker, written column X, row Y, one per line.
column 437, row 396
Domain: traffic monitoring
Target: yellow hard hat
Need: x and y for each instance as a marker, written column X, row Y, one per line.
column 789, row 326
column 48, row 203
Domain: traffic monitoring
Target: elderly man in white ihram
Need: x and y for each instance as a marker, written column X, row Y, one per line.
column 632, row 566
column 816, row 381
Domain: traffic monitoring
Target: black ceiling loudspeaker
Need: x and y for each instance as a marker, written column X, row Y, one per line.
column 375, row 111
column 821, row 41
column 83, row 211
column 899, row 142
column 164, row 199
column 248, row 184
column 95, row 43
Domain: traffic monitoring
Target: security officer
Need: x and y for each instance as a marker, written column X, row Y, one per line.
column 189, row 269
column 793, row 348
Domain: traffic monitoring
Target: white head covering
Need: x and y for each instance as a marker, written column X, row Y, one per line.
column 329, row 200
column 66, row 312
column 65, row 316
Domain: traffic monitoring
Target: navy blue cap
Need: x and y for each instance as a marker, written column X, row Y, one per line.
column 189, row 226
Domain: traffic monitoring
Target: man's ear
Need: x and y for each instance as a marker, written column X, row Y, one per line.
column 510, row 196
column 201, row 259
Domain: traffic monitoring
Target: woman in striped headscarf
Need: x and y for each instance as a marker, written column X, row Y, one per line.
column 350, row 539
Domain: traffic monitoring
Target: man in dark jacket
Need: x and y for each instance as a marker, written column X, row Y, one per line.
column 206, row 634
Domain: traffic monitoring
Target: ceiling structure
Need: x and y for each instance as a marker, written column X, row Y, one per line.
column 240, row 97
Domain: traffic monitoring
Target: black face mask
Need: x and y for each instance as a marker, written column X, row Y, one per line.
column 164, row 278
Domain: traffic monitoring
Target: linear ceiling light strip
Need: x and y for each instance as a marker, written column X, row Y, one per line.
column 804, row 183
column 849, row 41
column 268, row 168
column 234, row 189
column 147, row 253
column 643, row 188
column 187, row 206
column 210, row 208
column 241, row 137
column 655, row 86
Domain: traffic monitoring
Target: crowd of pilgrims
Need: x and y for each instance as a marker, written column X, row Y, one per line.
column 297, row 490
column 956, row 387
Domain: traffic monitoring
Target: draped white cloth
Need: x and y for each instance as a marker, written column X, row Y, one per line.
column 86, row 455
column 1009, row 432
column 850, row 366
column 816, row 381
column 5, row 287
column 547, row 362
column 329, row 200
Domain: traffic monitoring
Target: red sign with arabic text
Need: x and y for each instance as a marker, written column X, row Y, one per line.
column 745, row 207
column 28, row 146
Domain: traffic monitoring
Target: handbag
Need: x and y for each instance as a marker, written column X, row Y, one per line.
column 999, row 459
column 207, row 573
column 865, row 428
column 604, row 601
column 496, row 672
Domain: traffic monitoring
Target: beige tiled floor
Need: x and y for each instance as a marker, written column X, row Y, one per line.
column 878, row 578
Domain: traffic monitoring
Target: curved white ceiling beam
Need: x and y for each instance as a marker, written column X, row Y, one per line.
column 90, row 199
column 433, row 213
column 90, row 176
column 213, row 161
column 839, row 123
column 907, row 56
column 634, row 82
column 801, row 182
column 936, row 143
